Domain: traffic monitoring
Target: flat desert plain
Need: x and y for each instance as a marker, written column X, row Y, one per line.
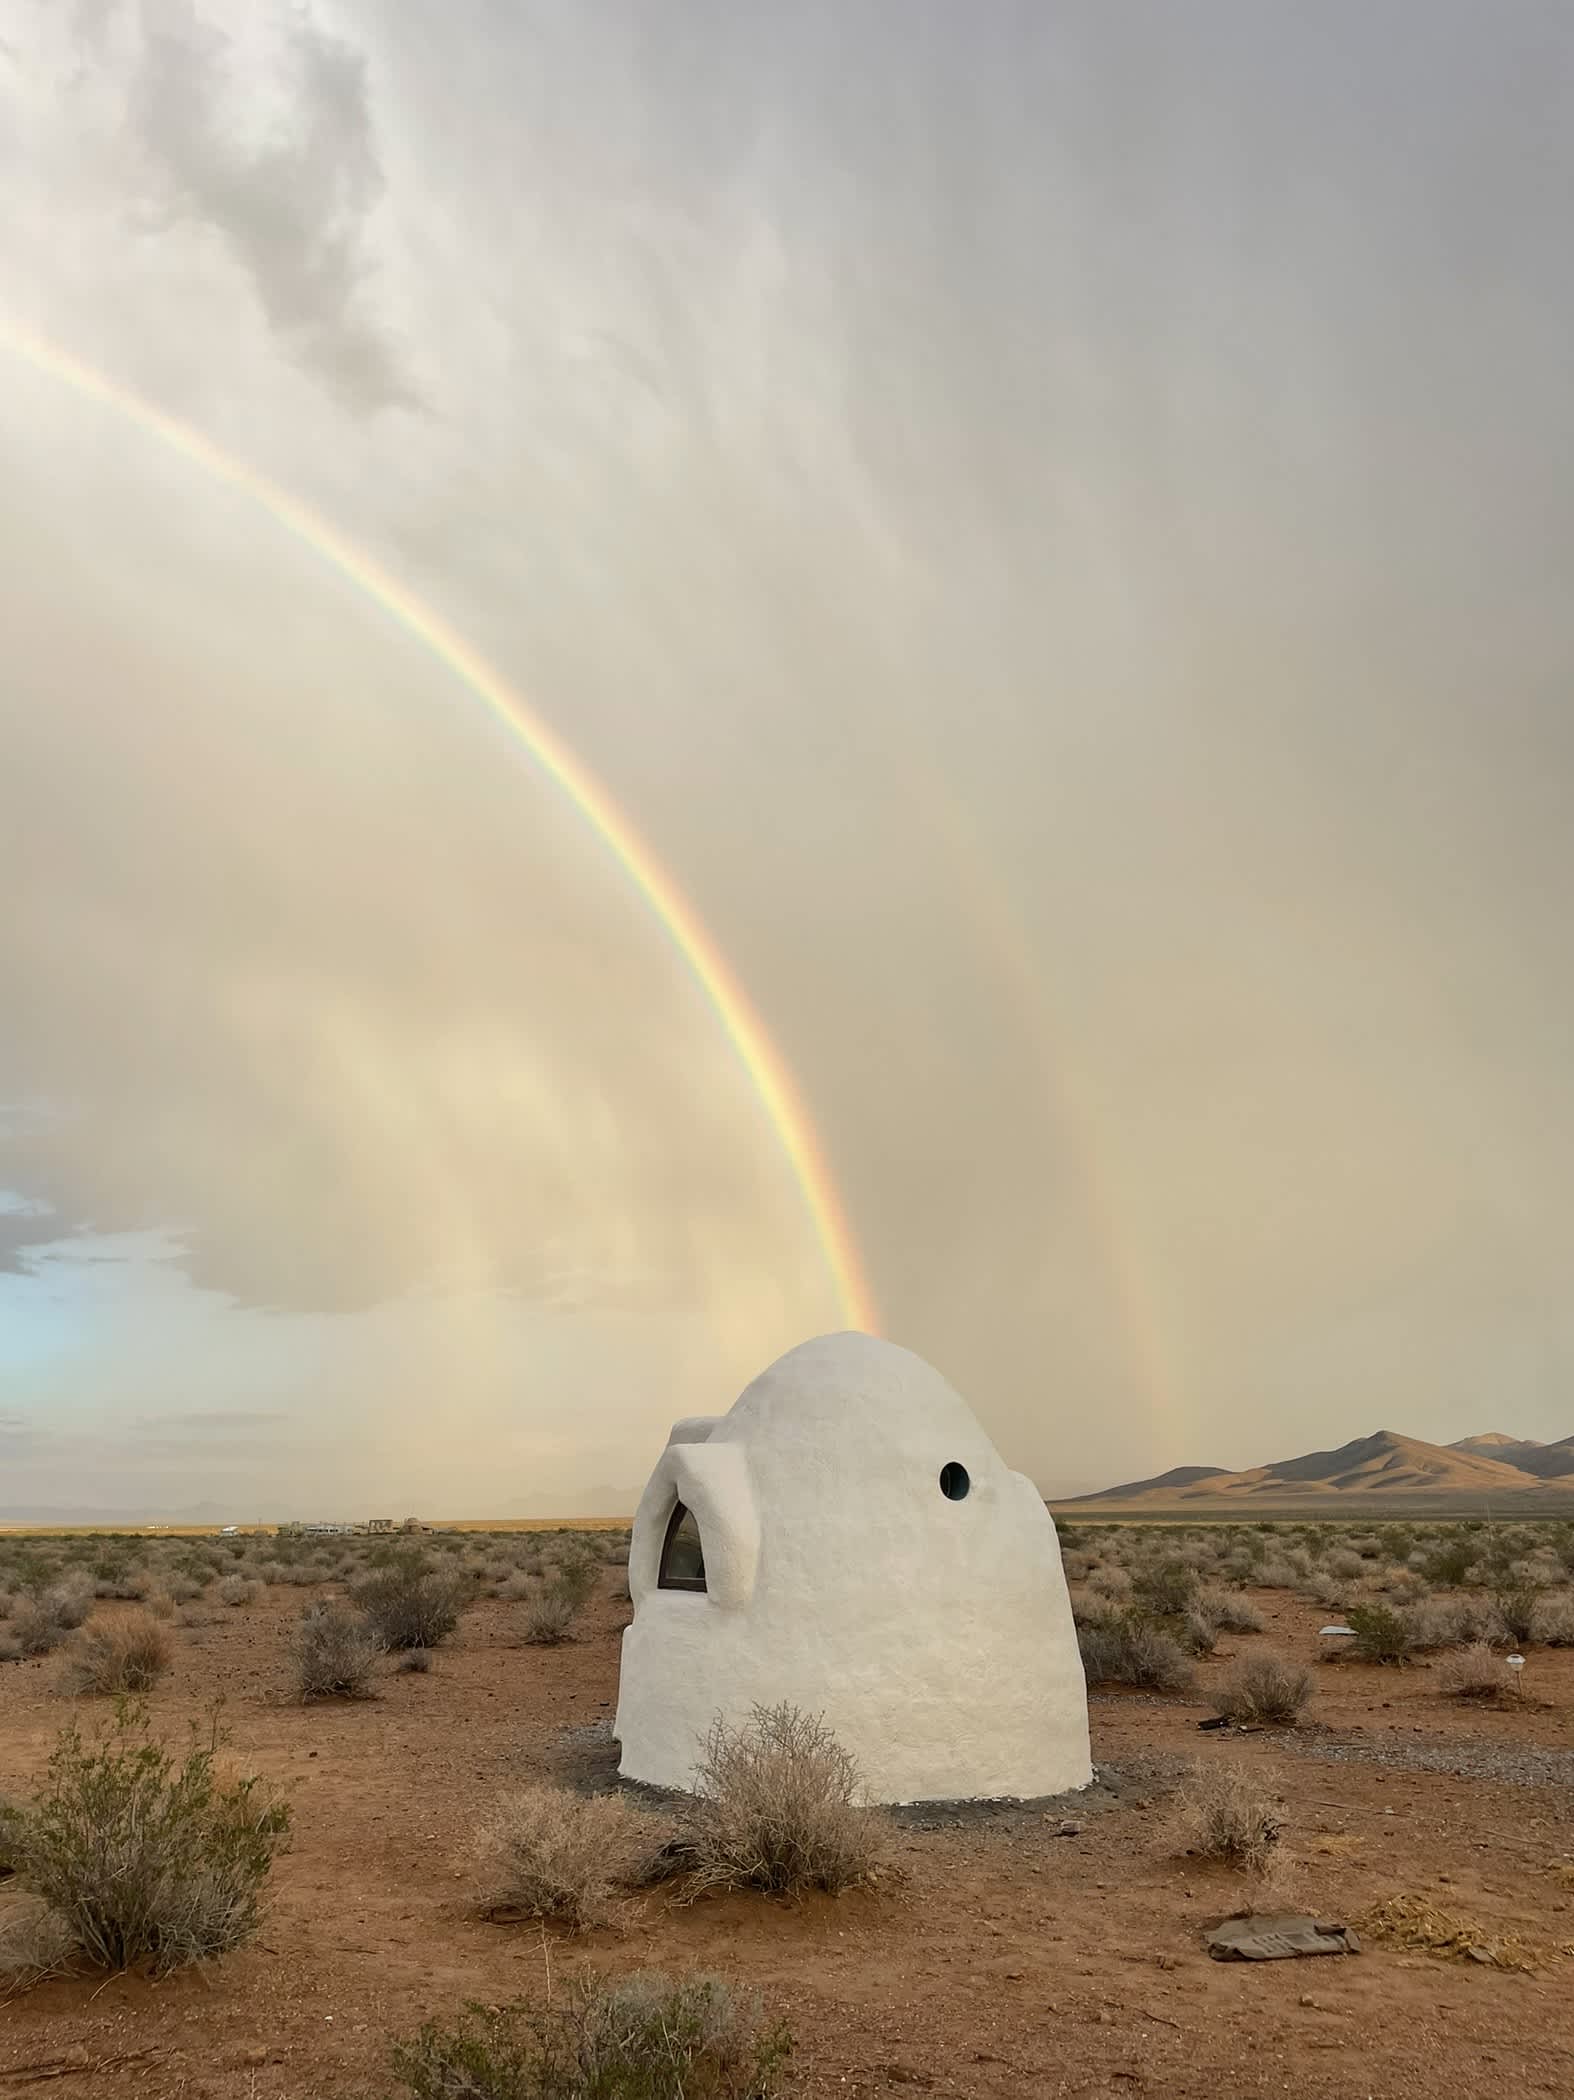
column 1051, row 1949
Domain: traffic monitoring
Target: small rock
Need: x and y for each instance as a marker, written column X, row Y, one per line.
column 1069, row 1829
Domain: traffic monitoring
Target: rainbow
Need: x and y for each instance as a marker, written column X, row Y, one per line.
column 767, row 1070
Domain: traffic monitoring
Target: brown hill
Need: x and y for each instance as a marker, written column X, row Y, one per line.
column 1546, row 1461
column 1384, row 1464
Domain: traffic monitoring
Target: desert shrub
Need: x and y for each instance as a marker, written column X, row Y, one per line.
column 1449, row 1561
column 1342, row 1565
column 140, row 1858
column 1553, row 1623
column 1381, row 1634
column 1123, row 1647
column 34, row 1943
column 36, row 1627
column 128, row 1652
column 1473, row 1673
column 409, row 1603
column 160, row 1602
column 549, row 1616
column 1229, row 1611
column 414, row 1662
column 69, row 1603
column 1197, row 1635
column 1112, row 1582
column 1166, row 1587
column 1224, row 1814
column 779, row 1807
column 1451, row 1622
column 1265, row 1689
column 237, row 1592
column 639, row 2037
column 1516, row 1606
column 1276, row 1574
column 334, row 1653
column 547, row 1853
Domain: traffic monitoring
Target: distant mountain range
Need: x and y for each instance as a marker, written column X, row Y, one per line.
column 1383, row 1467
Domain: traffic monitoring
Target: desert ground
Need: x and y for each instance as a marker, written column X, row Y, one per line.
column 1049, row 1948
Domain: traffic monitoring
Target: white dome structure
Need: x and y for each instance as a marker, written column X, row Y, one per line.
column 848, row 1540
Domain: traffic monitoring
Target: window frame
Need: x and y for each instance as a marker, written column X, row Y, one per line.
column 695, row 1585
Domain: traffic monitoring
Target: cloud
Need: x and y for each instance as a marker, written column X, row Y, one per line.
column 292, row 206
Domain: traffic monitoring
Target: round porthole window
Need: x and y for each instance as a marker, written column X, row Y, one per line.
column 954, row 1482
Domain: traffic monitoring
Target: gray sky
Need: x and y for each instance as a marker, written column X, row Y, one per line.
column 1052, row 520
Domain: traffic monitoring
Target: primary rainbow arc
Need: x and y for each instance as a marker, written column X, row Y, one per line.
column 767, row 1069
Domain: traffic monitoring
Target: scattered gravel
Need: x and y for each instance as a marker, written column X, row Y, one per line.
column 1510, row 1764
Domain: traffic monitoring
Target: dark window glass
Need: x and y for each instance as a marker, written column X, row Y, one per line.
column 682, row 1555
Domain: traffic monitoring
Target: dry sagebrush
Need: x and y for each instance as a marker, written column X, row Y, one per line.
column 638, row 2037
column 780, row 1807
column 334, row 1654
column 1225, row 1815
column 547, row 1853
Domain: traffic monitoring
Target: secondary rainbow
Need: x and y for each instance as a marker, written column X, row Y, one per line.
column 767, row 1069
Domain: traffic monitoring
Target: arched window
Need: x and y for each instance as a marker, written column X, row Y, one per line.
column 682, row 1553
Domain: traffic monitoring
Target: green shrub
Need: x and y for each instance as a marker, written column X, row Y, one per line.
column 643, row 2037
column 1166, row 1588
column 1516, row 1606
column 410, row 1604
column 1381, row 1633
column 1450, row 1561
column 141, row 1859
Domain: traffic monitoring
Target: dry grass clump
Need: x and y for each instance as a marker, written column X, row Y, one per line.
column 1225, row 1815
column 780, row 1807
column 137, row 1858
column 238, row 1591
column 639, row 2037
column 1415, row 1921
column 547, row 1853
column 1474, row 1673
column 1266, row 1690
column 128, row 1652
column 550, row 1613
column 1450, row 1622
column 334, row 1653
column 34, row 1941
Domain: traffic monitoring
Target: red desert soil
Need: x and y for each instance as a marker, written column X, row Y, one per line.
column 1005, row 1959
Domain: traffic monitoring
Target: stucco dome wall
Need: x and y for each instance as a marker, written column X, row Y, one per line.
column 934, row 1635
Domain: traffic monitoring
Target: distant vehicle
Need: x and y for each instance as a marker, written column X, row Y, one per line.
column 229, row 1531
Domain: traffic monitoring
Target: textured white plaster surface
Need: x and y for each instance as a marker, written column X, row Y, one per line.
column 935, row 1636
